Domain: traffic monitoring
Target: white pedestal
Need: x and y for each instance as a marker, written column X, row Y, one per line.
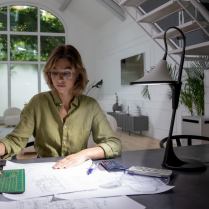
column 195, row 125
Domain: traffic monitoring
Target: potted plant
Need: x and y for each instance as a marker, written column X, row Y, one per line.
column 192, row 92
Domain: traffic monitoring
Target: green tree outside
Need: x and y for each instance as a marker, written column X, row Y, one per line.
column 25, row 47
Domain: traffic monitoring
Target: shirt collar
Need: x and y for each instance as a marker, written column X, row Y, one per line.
column 58, row 101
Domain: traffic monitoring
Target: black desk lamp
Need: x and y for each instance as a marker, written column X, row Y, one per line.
column 160, row 75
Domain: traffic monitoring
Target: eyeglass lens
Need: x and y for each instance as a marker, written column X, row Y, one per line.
column 65, row 75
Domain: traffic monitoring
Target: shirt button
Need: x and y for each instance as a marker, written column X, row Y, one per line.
column 64, row 126
column 63, row 142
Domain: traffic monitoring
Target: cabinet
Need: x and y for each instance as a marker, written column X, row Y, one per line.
column 131, row 123
column 195, row 125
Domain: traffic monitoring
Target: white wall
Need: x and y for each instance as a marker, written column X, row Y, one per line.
column 206, row 81
column 117, row 40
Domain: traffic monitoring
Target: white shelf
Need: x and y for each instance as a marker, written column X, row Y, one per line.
column 131, row 3
column 198, row 49
column 162, row 11
column 186, row 28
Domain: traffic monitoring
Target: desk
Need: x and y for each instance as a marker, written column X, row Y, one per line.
column 191, row 188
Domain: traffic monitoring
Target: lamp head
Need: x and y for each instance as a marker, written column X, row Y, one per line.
column 159, row 75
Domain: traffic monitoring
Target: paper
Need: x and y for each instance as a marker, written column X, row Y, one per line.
column 43, row 180
column 74, row 183
column 124, row 184
column 122, row 202
column 36, row 203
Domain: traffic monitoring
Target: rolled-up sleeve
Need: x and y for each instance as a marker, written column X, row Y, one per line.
column 103, row 134
column 17, row 140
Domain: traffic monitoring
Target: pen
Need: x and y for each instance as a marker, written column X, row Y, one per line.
column 90, row 170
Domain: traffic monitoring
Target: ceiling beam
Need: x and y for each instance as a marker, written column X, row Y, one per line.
column 113, row 8
column 64, row 5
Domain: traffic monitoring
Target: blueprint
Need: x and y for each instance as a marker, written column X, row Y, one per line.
column 122, row 202
column 74, row 183
column 124, row 184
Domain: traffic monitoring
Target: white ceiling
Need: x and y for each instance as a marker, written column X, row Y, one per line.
column 90, row 12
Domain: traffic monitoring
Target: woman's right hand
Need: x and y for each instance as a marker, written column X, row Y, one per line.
column 0, row 173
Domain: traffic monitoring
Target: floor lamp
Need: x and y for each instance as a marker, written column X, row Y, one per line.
column 160, row 75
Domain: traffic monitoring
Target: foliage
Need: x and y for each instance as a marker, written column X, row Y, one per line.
column 25, row 47
column 192, row 91
column 29, row 47
column 3, row 19
column 3, row 47
column 23, row 19
column 49, row 23
column 48, row 43
column 96, row 85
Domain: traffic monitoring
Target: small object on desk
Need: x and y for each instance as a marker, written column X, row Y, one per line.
column 112, row 166
column 91, row 169
column 149, row 171
column 12, row 181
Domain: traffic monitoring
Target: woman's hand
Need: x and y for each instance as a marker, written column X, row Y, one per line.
column 71, row 160
column 80, row 157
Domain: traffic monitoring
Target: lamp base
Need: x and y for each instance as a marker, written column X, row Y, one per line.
column 186, row 165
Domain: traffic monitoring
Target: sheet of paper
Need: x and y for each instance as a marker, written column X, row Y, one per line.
column 36, row 203
column 43, row 181
column 122, row 202
column 8, row 205
column 124, row 184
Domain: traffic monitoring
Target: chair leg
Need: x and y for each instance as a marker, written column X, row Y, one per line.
column 178, row 142
column 14, row 157
column 189, row 141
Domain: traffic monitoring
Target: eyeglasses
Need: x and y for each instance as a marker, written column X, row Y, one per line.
column 66, row 75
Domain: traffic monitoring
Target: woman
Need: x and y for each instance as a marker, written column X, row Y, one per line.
column 61, row 120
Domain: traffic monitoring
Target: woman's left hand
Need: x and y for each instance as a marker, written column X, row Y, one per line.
column 71, row 160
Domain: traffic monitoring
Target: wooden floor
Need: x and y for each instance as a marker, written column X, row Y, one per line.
column 129, row 143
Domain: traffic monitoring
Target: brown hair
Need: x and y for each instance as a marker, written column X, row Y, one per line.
column 69, row 52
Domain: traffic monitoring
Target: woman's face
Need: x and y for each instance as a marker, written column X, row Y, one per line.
column 63, row 76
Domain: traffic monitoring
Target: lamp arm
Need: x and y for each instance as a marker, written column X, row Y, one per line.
column 183, row 51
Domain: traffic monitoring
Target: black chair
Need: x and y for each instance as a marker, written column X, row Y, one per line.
column 188, row 137
column 29, row 144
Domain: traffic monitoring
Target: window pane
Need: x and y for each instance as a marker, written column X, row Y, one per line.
column 3, row 47
column 24, row 83
column 44, row 86
column 23, row 48
column 23, row 18
column 50, row 23
column 3, row 19
column 3, row 88
column 48, row 43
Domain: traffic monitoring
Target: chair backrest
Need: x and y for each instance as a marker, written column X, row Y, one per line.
column 112, row 121
column 12, row 111
column 188, row 137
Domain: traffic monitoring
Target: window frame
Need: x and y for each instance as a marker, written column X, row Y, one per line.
column 38, row 34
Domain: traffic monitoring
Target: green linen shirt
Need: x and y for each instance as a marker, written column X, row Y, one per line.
column 54, row 137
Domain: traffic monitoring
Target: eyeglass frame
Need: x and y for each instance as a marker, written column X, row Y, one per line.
column 58, row 75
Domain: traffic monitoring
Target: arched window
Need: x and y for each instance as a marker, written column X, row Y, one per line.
column 28, row 34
